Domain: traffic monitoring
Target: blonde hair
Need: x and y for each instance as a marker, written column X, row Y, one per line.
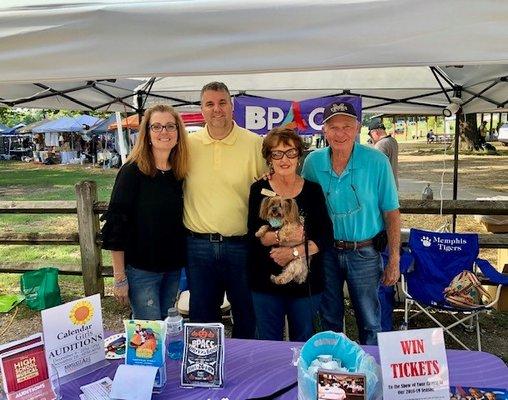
column 142, row 153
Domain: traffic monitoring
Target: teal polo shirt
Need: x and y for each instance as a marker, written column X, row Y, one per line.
column 357, row 198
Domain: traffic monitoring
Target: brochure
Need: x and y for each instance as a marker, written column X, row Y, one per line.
column 203, row 355
column 98, row 390
column 475, row 392
column 334, row 385
column 145, row 342
column 25, row 372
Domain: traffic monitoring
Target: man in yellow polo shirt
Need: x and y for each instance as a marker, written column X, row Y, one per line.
column 224, row 161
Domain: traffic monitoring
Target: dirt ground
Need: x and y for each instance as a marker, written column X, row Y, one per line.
column 415, row 162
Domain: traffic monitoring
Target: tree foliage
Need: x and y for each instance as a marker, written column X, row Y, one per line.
column 15, row 116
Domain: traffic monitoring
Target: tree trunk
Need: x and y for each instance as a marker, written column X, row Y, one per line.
column 471, row 133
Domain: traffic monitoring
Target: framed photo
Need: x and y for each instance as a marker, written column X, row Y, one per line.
column 333, row 385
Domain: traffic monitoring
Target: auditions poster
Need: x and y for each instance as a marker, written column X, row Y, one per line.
column 74, row 335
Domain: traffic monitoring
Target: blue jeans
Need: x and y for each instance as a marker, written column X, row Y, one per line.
column 151, row 293
column 272, row 308
column 212, row 269
column 361, row 269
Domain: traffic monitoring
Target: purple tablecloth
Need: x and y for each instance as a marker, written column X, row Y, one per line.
column 258, row 368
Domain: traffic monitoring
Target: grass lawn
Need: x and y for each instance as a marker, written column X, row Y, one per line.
column 20, row 181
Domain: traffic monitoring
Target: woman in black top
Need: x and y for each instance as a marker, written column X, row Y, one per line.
column 282, row 148
column 144, row 228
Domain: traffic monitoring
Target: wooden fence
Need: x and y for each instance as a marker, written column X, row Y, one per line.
column 88, row 209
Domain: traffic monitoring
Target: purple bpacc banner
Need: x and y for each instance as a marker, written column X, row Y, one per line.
column 260, row 114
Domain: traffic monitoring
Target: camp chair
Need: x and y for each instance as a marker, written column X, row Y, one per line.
column 183, row 298
column 437, row 258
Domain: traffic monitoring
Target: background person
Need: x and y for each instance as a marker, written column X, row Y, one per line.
column 282, row 149
column 387, row 144
column 225, row 160
column 362, row 202
column 144, row 228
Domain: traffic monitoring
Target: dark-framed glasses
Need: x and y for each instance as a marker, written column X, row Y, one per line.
column 279, row 154
column 349, row 204
column 158, row 128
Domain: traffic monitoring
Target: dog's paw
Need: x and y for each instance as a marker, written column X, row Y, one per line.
column 279, row 279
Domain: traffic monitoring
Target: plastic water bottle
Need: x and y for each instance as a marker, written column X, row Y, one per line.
column 174, row 334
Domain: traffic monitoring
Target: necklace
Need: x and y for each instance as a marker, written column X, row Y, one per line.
column 283, row 191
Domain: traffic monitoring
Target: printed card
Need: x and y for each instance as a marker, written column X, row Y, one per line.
column 203, row 357
column 333, row 385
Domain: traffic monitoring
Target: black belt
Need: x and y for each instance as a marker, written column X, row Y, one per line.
column 216, row 237
column 345, row 245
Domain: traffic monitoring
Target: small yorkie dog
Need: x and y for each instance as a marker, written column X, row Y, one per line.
column 282, row 214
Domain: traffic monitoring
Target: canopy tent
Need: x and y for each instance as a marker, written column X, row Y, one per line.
column 12, row 131
column 97, row 95
column 102, row 126
column 132, row 122
column 28, row 128
column 65, row 124
column 396, row 90
column 3, row 128
column 87, row 121
column 307, row 42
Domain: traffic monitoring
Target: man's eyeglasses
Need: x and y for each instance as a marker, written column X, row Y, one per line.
column 158, row 128
column 350, row 207
column 279, row 154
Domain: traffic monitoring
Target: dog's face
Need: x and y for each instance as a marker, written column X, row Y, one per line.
column 277, row 208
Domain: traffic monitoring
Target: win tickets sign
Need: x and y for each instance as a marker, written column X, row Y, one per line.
column 260, row 114
column 414, row 365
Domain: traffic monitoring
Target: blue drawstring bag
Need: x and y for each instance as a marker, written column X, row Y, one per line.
column 351, row 356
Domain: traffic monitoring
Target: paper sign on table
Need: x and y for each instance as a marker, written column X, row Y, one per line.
column 414, row 365
column 74, row 335
column 203, row 355
column 133, row 382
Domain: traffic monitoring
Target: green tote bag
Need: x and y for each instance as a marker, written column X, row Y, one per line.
column 41, row 288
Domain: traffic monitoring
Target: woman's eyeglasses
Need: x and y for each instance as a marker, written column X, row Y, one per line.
column 279, row 154
column 158, row 128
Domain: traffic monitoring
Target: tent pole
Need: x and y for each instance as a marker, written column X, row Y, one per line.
column 456, row 163
column 139, row 106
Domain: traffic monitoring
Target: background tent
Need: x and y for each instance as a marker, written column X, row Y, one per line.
column 3, row 128
column 12, row 131
column 66, row 124
column 28, row 128
column 102, row 126
column 132, row 122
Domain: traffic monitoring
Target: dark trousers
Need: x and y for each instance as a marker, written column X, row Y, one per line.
column 215, row 268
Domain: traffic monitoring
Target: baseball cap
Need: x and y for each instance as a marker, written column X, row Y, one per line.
column 376, row 123
column 338, row 108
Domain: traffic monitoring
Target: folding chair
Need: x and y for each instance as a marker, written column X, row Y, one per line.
column 437, row 258
column 183, row 298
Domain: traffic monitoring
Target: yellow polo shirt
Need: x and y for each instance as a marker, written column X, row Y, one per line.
column 216, row 190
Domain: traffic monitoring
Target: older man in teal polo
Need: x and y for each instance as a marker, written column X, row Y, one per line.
column 363, row 205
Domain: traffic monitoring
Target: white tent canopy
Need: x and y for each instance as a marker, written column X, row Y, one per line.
column 417, row 87
column 290, row 49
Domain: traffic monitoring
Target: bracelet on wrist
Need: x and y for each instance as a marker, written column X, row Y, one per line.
column 121, row 283
column 277, row 237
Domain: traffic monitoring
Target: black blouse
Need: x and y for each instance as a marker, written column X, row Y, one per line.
column 145, row 220
column 318, row 228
